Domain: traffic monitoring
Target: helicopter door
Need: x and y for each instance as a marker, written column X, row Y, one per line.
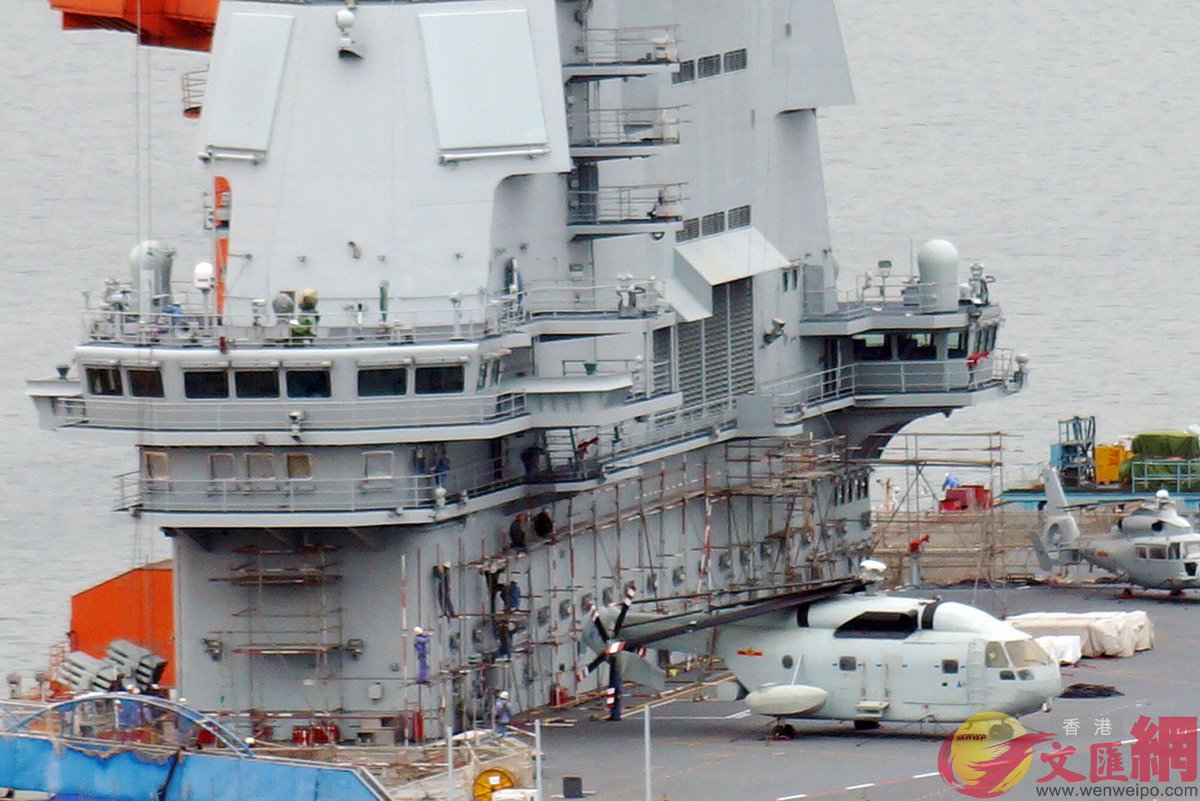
column 939, row 673
column 879, row 673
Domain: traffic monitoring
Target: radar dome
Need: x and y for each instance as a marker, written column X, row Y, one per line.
column 937, row 261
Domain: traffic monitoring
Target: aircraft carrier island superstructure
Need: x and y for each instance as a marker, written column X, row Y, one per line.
column 481, row 259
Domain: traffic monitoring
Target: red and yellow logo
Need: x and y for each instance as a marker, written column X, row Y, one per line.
column 987, row 755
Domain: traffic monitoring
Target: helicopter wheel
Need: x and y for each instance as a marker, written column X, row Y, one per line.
column 1127, row 592
column 866, row 725
column 782, row 731
column 1176, row 593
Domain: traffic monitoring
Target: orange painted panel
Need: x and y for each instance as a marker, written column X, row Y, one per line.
column 182, row 24
column 137, row 606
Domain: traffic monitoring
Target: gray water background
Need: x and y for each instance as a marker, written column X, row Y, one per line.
column 1050, row 140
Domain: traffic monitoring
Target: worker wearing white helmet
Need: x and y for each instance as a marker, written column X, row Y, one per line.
column 502, row 713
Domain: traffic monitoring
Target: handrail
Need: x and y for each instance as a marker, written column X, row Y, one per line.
column 186, row 318
column 617, row 204
column 628, row 126
column 637, row 45
column 275, row 414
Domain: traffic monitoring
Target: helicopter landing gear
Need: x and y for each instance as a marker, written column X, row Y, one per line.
column 866, row 725
column 1127, row 592
column 782, row 731
column 1176, row 593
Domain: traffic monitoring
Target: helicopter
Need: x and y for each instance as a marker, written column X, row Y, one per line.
column 1153, row 547
column 838, row 650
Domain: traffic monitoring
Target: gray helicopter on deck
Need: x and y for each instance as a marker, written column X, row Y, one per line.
column 837, row 650
column 1152, row 547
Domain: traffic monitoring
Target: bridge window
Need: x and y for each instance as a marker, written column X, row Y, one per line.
column 687, row 73
column 308, row 384
column 383, row 381
column 205, row 384
column 256, row 383
column 871, row 348
column 956, row 344
column 994, row 657
column 439, row 380
column 145, row 382
column 879, row 626
column 105, row 381
column 915, row 345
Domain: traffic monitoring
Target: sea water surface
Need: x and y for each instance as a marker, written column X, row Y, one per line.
column 1050, row 141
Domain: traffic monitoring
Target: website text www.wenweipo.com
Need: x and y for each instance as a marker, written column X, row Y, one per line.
column 1118, row 791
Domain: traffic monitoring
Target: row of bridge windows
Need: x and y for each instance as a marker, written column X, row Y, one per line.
column 258, row 383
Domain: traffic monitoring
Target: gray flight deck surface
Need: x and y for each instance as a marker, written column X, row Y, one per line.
column 715, row 751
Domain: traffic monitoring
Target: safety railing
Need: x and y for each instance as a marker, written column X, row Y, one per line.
column 186, row 318
column 626, row 204
column 278, row 415
column 644, row 45
column 427, row 490
column 627, row 126
column 1149, row 475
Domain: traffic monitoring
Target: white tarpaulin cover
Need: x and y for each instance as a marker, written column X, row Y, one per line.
column 1065, row 650
column 1099, row 633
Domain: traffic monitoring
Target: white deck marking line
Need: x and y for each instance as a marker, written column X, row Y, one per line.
column 861, row 786
column 926, row 775
column 745, row 713
column 791, row 797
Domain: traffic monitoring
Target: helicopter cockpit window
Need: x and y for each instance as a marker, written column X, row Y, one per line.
column 1027, row 653
column 993, row 656
column 1158, row 551
column 1142, row 553
column 1173, row 551
column 1190, row 549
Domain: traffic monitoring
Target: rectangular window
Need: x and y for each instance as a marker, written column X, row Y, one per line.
column 735, row 60
column 686, row 74
column 220, row 466
column 104, row 381
column 1158, row 552
column 481, row 378
column 299, row 466
column 382, row 381
column 1142, row 553
column 847, row 663
column 155, row 466
column 145, row 382
column 949, row 665
column 689, row 231
column 205, row 384
column 260, row 466
column 915, row 346
column 709, row 66
column 739, row 217
column 871, row 348
column 378, row 464
column 439, row 380
column 256, row 383
column 712, row 223
column 956, row 344
column 308, row 384
column 786, row 280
